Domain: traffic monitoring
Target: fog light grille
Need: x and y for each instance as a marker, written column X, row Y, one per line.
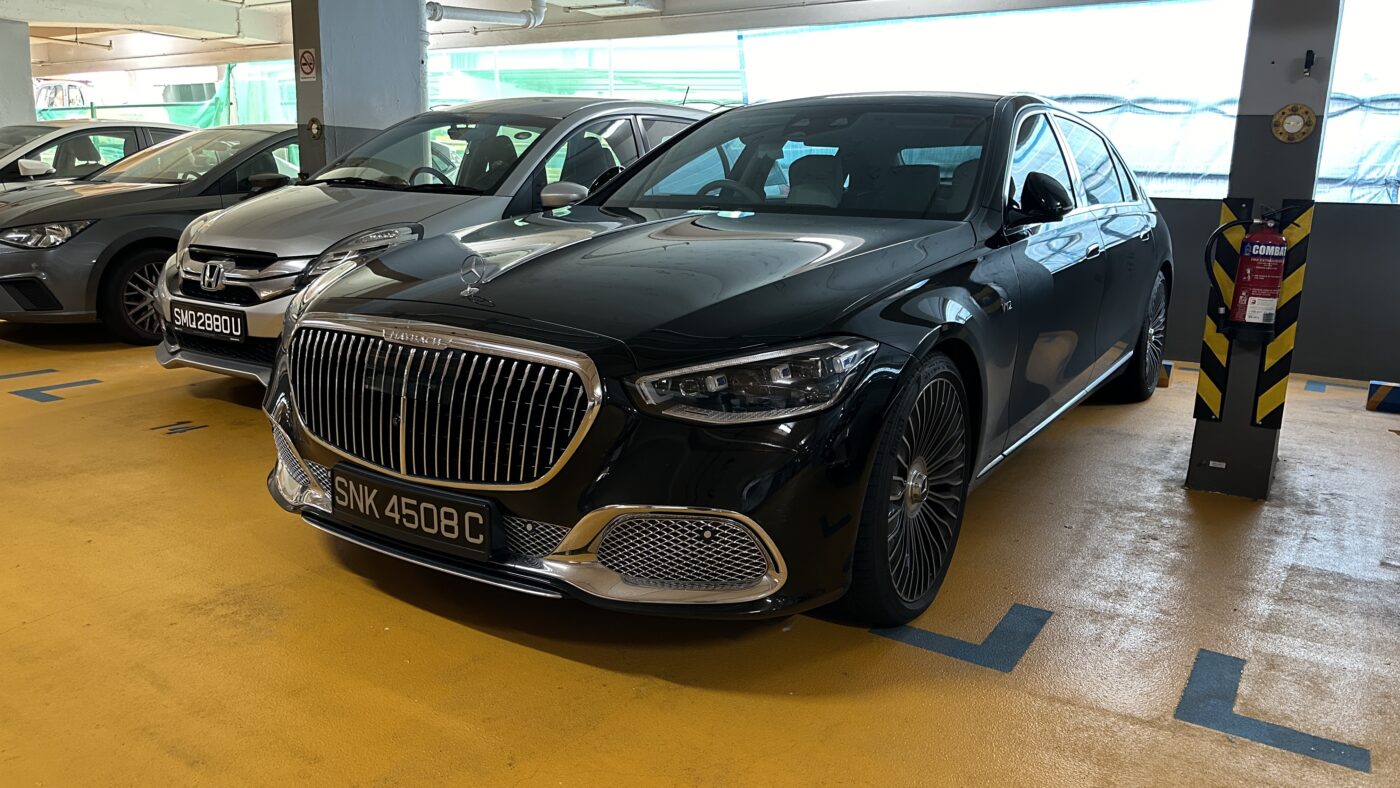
column 288, row 457
column 532, row 538
column 321, row 473
column 683, row 552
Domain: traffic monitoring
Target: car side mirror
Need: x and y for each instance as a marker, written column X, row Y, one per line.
column 1043, row 199
column 266, row 182
column 558, row 195
column 33, row 168
column 608, row 174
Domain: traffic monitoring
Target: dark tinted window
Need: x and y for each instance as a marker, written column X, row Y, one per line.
column 658, row 130
column 1095, row 163
column 1037, row 150
column 161, row 135
column 860, row 159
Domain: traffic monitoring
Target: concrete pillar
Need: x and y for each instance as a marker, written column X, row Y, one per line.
column 1280, row 34
column 16, row 78
column 361, row 65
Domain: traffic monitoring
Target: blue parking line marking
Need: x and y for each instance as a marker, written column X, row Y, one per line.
column 10, row 375
column 1008, row 641
column 40, row 393
column 1209, row 701
column 1319, row 386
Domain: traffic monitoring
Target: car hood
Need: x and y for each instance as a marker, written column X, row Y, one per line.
column 671, row 287
column 304, row 221
column 74, row 200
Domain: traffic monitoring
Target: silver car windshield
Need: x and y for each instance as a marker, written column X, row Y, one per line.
column 12, row 137
column 184, row 158
column 466, row 153
column 900, row 162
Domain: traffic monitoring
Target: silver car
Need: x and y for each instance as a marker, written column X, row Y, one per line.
column 224, row 293
column 50, row 150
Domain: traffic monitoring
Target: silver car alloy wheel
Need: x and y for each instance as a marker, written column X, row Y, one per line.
column 1156, row 333
column 139, row 298
column 926, row 493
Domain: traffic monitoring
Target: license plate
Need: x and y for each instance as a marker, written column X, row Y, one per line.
column 206, row 321
column 412, row 513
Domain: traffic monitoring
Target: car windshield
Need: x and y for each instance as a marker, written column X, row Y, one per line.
column 899, row 160
column 462, row 152
column 12, row 137
column 184, row 158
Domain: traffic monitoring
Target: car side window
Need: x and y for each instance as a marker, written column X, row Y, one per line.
column 587, row 153
column 79, row 154
column 1095, row 163
column 161, row 135
column 1037, row 150
column 283, row 159
column 658, row 130
column 1125, row 179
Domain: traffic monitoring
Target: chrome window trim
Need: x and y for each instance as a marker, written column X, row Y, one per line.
column 435, row 336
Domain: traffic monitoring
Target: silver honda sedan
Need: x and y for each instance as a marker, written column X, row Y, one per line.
column 223, row 294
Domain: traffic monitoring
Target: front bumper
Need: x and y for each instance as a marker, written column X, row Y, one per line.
column 47, row 285
column 798, row 486
column 252, row 359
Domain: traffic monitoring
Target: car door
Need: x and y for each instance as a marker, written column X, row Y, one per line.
column 1124, row 223
column 1060, row 269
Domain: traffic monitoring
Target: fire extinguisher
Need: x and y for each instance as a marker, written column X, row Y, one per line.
column 1258, row 277
column 1263, row 253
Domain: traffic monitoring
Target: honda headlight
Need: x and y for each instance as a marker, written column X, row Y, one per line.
column 776, row 384
column 361, row 247
column 42, row 236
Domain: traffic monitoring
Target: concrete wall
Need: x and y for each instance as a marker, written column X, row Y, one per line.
column 16, row 85
column 1350, row 321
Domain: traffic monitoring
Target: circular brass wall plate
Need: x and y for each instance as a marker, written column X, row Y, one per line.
column 1294, row 123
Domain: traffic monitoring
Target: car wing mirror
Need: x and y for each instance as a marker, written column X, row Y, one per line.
column 266, row 182
column 33, row 168
column 1043, row 199
column 558, row 195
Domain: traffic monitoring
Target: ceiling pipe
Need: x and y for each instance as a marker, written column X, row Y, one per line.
column 437, row 12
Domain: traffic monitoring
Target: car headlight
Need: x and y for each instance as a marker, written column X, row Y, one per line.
column 42, row 236
column 768, row 386
column 308, row 294
column 361, row 247
column 193, row 227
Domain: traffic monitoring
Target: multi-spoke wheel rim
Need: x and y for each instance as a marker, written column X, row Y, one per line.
column 926, row 493
column 1156, row 333
column 139, row 298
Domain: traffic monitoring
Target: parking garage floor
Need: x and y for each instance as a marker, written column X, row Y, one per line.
column 163, row 622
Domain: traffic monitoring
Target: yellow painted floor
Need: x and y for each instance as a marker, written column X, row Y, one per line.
column 163, row 622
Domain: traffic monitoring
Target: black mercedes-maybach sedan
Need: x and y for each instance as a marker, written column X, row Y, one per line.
column 756, row 373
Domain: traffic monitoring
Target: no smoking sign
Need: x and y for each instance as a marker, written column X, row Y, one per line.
column 306, row 65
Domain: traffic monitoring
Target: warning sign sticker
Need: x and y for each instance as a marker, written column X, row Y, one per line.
column 306, row 65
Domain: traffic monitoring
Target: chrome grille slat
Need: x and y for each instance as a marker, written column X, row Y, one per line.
column 459, row 415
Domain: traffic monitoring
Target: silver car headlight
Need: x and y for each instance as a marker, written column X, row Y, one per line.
column 361, row 247
column 769, row 386
column 42, row 236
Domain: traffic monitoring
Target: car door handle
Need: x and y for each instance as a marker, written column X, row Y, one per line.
column 1094, row 251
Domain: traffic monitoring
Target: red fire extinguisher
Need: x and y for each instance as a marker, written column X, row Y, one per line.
column 1259, row 276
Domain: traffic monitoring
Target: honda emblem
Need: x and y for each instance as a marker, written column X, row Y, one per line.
column 212, row 278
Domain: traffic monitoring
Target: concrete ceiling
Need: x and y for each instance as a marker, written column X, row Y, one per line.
column 107, row 35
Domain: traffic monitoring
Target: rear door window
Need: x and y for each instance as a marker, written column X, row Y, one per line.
column 658, row 130
column 1096, row 170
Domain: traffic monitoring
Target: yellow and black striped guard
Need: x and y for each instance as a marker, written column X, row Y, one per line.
column 1271, row 387
column 1215, row 346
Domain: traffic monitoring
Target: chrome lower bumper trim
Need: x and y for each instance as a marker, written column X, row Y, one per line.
column 238, row 369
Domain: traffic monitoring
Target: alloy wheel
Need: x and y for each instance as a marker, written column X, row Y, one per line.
column 926, row 493
column 139, row 298
column 1156, row 332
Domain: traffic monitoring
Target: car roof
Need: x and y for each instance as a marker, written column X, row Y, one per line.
column 559, row 107
column 272, row 128
column 104, row 124
column 990, row 99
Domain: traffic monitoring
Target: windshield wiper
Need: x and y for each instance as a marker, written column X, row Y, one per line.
column 363, row 182
column 443, row 187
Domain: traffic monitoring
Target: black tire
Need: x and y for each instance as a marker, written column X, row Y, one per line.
column 126, row 303
column 1139, row 377
column 905, row 541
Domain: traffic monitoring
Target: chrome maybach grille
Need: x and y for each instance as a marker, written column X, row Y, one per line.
column 683, row 552
column 445, row 414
